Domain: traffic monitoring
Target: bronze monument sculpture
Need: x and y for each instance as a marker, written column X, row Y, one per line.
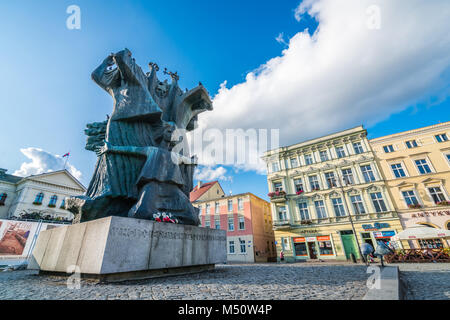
column 137, row 174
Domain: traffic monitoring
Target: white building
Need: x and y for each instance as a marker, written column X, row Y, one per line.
column 37, row 196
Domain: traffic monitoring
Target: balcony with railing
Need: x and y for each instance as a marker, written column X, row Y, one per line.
column 277, row 196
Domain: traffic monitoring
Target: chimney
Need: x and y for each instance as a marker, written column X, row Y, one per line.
column 199, row 184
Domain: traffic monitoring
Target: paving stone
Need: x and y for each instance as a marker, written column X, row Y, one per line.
column 238, row 281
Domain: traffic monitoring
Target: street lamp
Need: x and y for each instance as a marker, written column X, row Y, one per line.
column 341, row 185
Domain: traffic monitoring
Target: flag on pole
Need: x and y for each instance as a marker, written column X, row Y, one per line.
column 66, row 155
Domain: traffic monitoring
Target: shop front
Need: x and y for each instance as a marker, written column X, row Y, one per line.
column 314, row 247
column 438, row 218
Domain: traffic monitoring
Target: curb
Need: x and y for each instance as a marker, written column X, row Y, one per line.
column 389, row 286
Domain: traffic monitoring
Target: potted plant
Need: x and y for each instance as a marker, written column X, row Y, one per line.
column 444, row 203
column 415, row 206
column 299, row 192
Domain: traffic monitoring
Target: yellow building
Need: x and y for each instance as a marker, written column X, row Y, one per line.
column 319, row 187
column 416, row 167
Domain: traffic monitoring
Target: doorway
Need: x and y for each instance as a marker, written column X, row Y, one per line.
column 312, row 250
column 348, row 240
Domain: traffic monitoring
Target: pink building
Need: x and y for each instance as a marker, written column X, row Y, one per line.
column 246, row 218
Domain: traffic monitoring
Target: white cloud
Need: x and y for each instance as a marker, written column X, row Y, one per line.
column 346, row 73
column 42, row 162
column 208, row 173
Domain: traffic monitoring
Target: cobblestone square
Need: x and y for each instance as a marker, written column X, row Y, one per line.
column 226, row 282
column 425, row 281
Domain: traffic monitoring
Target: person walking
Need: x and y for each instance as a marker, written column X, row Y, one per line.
column 367, row 250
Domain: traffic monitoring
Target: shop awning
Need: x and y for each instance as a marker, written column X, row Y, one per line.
column 418, row 231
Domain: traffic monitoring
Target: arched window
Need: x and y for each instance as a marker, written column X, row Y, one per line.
column 53, row 200
column 3, row 197
column 39, row 198
column 448, row 225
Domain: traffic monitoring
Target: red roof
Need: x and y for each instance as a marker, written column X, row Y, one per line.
column 197, row 193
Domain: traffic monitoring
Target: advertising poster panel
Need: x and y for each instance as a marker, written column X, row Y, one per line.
column 15, row 236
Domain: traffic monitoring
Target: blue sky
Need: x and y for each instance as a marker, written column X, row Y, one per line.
column 48, row 96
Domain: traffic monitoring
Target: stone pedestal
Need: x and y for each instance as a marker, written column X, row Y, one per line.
column 116, row 248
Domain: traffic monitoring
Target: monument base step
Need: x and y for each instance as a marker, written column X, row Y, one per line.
column 134, row 275
column 118, row 249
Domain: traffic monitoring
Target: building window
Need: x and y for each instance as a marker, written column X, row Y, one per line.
column 277, row 186
column 39, row 198
column 230, row 205
column 348, row 176
column 340, row 152
column 331, row 180
column 207, row 224
column 208, row 209
column 3, row 197
column 388, row 149
column 320, row 209
column 217, row 224
column 441, row 137
column 275, row 167
column 367, row 173
column 241, row 223
column 240, row 204
column 217, row 207
column 410, row 198
column 230, row 224
column 437, row 194
column 282, row 214
column 304, row 212
column 231, row 247
column 308, row 159
column 63, row 204
column 338, row 207
column 378, row 202
column 357, row 146
column 323, row 155
column 357, row 203
column 298, row 183
column 325, row 247
column 423, row 166
column 398, row 170
column 447, row 156
column 314, row 183
column 53, row 200
column 294, row 163
column 411, row 144
column 430, row 244
column 242, row 245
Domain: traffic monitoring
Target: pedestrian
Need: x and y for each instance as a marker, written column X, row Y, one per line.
column 367, row 250
column 281, row 255
column 382, row 250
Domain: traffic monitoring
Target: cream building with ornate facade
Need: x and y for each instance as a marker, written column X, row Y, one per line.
column 314, row 187
column 36, row 196
column 416, row 166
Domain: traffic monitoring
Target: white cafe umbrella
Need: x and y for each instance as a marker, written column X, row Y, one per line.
column 418, row 231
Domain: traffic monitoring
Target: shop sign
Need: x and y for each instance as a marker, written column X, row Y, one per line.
column 431, row 213
column 323, row 238
column 311, row 231
column 384, row 234
column 376, row 226
column 310, row 239
column 299, row 239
